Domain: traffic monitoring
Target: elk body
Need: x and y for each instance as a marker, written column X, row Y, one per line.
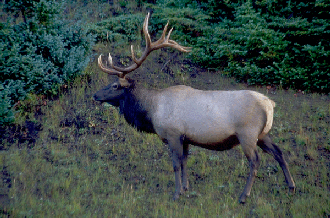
column 183, row 116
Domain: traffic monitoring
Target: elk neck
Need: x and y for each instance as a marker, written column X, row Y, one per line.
column 137, row 107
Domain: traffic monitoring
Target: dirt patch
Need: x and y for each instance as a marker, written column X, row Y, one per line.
column 23, row 134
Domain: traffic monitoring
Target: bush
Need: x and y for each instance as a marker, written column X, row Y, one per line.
column 187, row 23
column 6, row 114
column 261, row 48
column 39, row 54
column 125, row 28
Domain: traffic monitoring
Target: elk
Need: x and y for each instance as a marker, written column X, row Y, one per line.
column 183, row 116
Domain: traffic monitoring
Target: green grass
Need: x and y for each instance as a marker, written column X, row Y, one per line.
column 88, row 162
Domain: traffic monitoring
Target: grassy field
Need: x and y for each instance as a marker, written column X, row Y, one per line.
column 86, row 161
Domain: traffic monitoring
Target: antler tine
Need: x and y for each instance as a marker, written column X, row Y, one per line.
column 133, row 55
column 168, row 35
column 108, row 70
column 146, row 32
column 165, row 41
column 110, row 60
column 179, row 47
column 162, row 38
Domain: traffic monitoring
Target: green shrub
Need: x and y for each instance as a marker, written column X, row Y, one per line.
column 124, row 28
column 39, row 54
column 260, row 48
column 187, row 23
column 39, row 61
column 6, row 113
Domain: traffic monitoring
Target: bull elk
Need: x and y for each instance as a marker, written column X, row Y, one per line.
column 183, row 116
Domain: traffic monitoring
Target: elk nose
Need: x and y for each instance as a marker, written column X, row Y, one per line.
column 95, row 98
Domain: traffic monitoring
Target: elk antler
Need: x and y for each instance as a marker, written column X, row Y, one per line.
column 164, row 41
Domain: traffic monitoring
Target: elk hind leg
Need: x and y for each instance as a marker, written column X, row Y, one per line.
column 269, row 147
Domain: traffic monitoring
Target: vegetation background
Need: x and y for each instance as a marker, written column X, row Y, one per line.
column 61, row 154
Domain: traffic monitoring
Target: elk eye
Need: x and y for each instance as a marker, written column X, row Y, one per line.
column 115, row 86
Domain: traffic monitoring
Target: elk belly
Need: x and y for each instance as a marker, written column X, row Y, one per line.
column 221, row 145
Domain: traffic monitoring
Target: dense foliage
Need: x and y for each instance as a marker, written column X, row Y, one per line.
column 38, row 53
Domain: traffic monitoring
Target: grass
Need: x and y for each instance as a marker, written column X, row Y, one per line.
column 88, row 162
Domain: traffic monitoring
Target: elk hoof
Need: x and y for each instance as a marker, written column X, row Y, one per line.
column 177, row 194
column 176, row 197
column 242, row 199
column 292, row 190
column 185, row 188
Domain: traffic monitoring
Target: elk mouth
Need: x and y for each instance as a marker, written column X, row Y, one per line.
column 96, row 102
column 95, row 98
column 99, row 101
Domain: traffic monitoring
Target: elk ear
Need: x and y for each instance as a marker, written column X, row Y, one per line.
column 124, row 82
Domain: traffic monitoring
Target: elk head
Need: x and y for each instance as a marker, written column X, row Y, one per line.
column 114, row 92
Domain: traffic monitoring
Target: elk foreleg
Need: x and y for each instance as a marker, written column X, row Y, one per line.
column 251, row 153
column 184, row 177
column 176, row 149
